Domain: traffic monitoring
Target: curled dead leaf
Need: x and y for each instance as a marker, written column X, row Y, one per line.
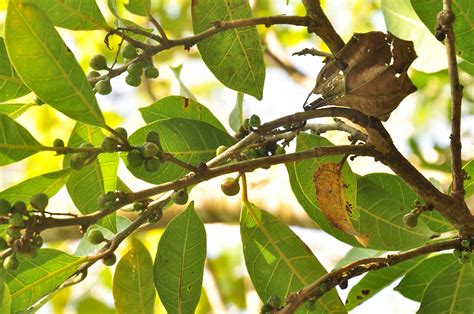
column 331, row 198
column 368, row 74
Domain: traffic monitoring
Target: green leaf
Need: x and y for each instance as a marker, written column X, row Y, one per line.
column 414, row 284
column 402, row 21
column 179, row 263
column 46, row 65
column 139, row 7
column 34, row 278
column 85, row 185
column 427, row 10
column 134, row 291
column 301, row 180
column 375, row 281
column 72, row 14
column 234, row 56
column 183, row 89
column 179, row 107
column 91, row 305
column 14, row 110
column 237, row 115
column 400, row 191
column 6, row 300
column 48, row 183
column 16, row 143
column 278, row 261
column 11, row 86
column 451, row 291
column 191, row 141
column 355, row 254
column 469, row 182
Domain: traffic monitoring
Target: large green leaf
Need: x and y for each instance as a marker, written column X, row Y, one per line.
column 5, row 299
column 191, row 141
column 85, row 185
column 11, row 86
column 179, row 107
column 134, row 290
column 375, row 281
column 139, row 7
column 90, row 305
column 355, row 254
column 48, row 183
column 414, row 283
column 402, row 21
column 72, row 14
column 301, row 180
column 450, row 291
column 399, row 190
column 469, row 182
column 14, row 110
column 427, row 10
column 46, row 65
column 235, row 56
column 37, row 277
column 236, row 117
column 16, row 143
column 278, row 261
column 179, row 263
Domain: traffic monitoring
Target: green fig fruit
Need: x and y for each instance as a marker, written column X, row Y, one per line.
column 135, row 158
column 11, row 263
column 92, row 74
column 14, row 232
column 274, row 301
column 98, row 62
column 39, row 201
column 3, row 244
column 254, row 121
column 153, row 137
column 220, row 150
column 109, row 260
column 129, row 52
column 16, row 220
column 151, row 72
column 58, row 143
column 37, row 241
column 103, row 87
column 152, row 164
column 410, row 220
column 246, row 124
column 138, row 206
column 280, row 150
column 77, row 161
column 19, row 207
column 135, row 69
column 95, row 237
column 109, row 144
column 5, row 207
column 122, row 132
column 465, row 243
column 230, row 186
column 133, row 80
column 180, row 197
column 149, row 150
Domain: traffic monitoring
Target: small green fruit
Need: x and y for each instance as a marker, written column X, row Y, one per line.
column 86, row 145
column 37, row 241
column 274, row 301
column 109, row 144
column 152, row 164
column 135, row 69
column 135, row 158
column 220, row 150
column 180, row 197
column 39, row 201
column 3, row 244
column 149, row 150
column 11, row 263
column 465, row 243
column 253, row 153
column 95, row 237
column 410, row 220
column 101, row 200
column 280, row 150
column 58, row 143
column 109, row 260
column 137, row 206
column 129, row 52
column 110, row 196
column 246, row 124
column 19, row 207
column 151, row 72
column 13, row 232
column 266, row 308
column 5, row 207
column 133, row 80
column 98, row 62
column 465, row 257
column 93, row 74
column 153, row 137
column 122, row 132
column 230, row 186
column 103, row 87
column 254, row 121
column 16, row 220
column 77, row 161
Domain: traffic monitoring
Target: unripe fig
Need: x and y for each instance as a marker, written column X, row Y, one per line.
column 103, row 87
column 5, row 207
column 39, row 201
column 180, row 197
column 153, row 137
column 13, row 232
column 122, row 132
column 274, row 301
column 3, row 244
column 95, row 236
column 109, row 144
column 129, row 52
column 93, row 74
column 254, row 121
column 58, row 143
column 102, row 199
column 138, row 206
column 11, row 263
column 230, row 186
column 133, row 80
column 98, row 62
column 253, row 153
column 266, row 308
column 77, row 161
column 135, row 158
column 16, row 220
column 149, row 150
column 220, row 150
column 135, row 69
column 37, row 241
column 344, row 284
column 151, row 72
column 109, row 260
column 246, row 124
column 19, row 207
column 280, row 150
column 86, row 145
column 152, row 164
column 465, row 243
column 110, row 196
column 465, row 257
column 410, row 220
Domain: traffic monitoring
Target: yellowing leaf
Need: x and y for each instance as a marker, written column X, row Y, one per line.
column 332, row 200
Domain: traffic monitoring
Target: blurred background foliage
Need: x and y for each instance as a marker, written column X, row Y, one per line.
column 420, row 128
